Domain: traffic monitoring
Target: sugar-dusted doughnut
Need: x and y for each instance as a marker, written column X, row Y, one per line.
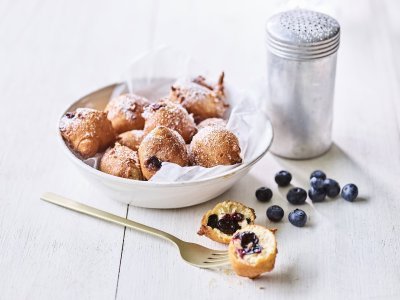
column 171, row 115
column 213, row 146
column 201, row 99
column 86, row 131
column 162, row 144
column 125, row 112
column 131, row 139
column 121, row 161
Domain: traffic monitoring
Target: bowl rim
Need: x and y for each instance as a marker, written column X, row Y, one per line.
column 126, row 181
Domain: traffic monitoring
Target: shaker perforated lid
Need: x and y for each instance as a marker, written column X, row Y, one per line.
column 302, row 34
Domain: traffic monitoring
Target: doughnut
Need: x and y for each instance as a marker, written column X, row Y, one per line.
column 252, row 251
column 213, row 146
column 131, row 139
column 121, row 161
column 221, row 222
column 171, row 115
column 86, row 131
column 201, row 99
column 162, row 144
column 125, row 112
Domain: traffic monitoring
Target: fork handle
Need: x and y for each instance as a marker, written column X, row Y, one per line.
column 100, row 214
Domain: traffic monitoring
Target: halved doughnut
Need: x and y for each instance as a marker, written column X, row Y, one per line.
column 221, row 222
column 252, row 251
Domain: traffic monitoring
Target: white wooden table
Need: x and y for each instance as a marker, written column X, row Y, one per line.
column 53, row 52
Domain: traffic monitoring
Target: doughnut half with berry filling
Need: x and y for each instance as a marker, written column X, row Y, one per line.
column 221, row 222
column 252, row 251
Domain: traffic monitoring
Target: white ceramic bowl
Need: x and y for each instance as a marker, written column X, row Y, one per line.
column 158, row 194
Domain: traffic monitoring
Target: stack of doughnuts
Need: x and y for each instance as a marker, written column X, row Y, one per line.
column 186, row 128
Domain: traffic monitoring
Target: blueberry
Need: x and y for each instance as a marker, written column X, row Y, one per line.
column 237, row 217
column 283, row 178
column 296, row 196
column 298, row 217
column 332, row 187
column 212, row 221
column 153, row 163
column 275, row 213
column 317, row 195
column 247, row 238
column 317, row 183
column 70, row 115
column 263, row 194
column 349, row 192
column 318, row 174
column 227, row 226
column 249, row 243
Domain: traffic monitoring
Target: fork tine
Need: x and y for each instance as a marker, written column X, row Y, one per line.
column 214, row 265
column 208, row 261
column 216, row 252
column 217, row 258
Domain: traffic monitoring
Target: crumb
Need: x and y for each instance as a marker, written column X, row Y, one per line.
column 228, row 271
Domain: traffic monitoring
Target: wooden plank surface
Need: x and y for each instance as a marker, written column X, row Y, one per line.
column 54, row 52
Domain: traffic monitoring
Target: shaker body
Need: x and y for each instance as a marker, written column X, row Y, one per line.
column 300, row 105
column 301, row 67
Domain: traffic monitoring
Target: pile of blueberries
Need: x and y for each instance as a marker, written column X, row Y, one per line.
column 320, row 188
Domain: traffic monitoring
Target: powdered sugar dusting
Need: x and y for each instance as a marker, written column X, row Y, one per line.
column 199, row 100
column 213, row 146
column 130, row 105
column 164, row 145
column 211, row 122
column 72, row 120
column 131, row 139
column 171, row 115
column 160, row 133
column 121, row 161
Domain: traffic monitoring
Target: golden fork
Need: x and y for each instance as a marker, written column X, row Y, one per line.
column 193, row 254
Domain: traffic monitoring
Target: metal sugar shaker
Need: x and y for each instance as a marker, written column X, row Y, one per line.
column 301, row 65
